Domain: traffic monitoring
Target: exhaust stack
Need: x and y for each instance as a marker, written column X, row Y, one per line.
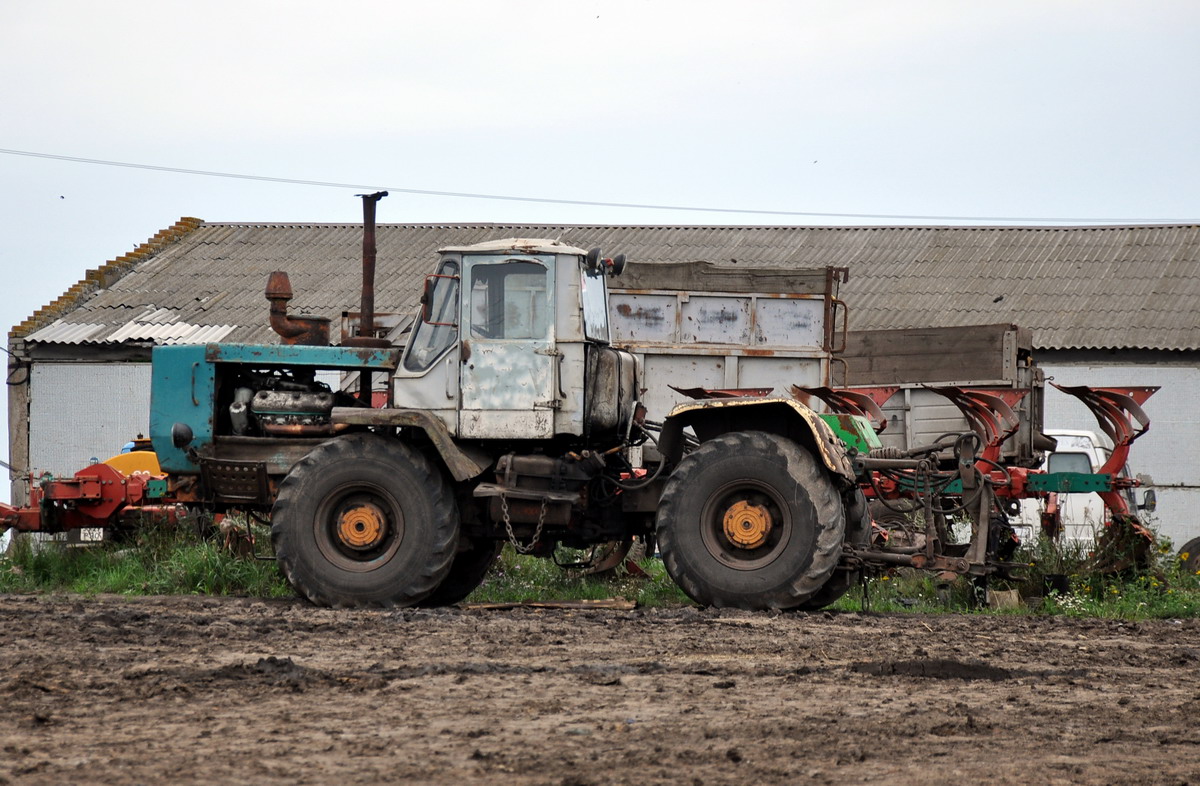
column 366, row 318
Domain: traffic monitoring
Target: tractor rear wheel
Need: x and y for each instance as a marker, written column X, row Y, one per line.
column 858, row 533
column 750, row 520
column 1189, row 557
column 364, row 521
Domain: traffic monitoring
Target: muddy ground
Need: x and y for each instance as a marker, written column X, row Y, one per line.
column 187, row 689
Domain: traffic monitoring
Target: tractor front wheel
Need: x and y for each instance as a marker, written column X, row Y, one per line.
column 364, row 520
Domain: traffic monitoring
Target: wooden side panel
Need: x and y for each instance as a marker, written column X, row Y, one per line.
column 707, row 277
column 974, row 353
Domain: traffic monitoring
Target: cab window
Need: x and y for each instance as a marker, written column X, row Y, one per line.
column 510, row 300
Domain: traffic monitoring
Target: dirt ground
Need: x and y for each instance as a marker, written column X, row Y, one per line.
column 187, row 689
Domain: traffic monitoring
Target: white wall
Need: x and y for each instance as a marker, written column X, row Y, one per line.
column 81, row 411
column 1169, row 452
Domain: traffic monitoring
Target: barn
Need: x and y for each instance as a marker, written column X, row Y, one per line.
column 1107, row 305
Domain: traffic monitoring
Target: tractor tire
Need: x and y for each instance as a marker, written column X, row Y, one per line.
column 858, row 533
column 467, row 572
column 364, row 521
column 1190, row 564
column 750, row 520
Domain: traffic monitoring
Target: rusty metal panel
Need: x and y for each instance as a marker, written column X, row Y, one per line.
column 789, row 322
column 643, row 317
column 685, row 371
column 715, row 319
column 779, row 372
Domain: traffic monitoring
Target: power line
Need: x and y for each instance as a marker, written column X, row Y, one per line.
column 591, row 203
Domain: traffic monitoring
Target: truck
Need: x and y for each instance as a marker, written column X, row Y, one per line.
column 530, row 405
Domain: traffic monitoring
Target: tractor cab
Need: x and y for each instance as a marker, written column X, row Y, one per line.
column 512, row 342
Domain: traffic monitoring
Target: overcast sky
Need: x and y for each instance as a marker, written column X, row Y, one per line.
column 1000, row 110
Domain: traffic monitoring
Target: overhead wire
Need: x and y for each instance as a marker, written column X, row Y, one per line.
column 590, row 202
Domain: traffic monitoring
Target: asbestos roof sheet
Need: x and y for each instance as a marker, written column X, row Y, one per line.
column 1121, row 287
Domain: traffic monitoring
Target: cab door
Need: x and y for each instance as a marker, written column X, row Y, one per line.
column 508, row 358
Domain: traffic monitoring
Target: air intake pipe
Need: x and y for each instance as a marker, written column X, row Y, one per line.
column 296, row 330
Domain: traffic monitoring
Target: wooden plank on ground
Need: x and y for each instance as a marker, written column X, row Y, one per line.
column 614, row 604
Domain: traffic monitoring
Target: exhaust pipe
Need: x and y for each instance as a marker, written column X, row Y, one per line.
column 366, row 317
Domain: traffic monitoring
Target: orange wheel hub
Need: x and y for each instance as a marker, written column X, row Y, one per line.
column 361, row 526
column 747, row 525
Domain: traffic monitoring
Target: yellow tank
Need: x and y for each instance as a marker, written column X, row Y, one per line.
column 135, row 461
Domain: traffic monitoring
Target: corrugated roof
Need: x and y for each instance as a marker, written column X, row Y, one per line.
column 1075, row 287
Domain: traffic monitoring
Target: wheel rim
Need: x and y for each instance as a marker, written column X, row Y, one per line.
column 358, row 529
column 360, row 526
column 746, row 525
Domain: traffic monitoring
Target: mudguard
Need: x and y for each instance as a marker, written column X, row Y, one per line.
column 712, row 417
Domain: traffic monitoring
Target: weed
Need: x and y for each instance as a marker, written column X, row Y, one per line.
column 158, row 561
column 515, row 578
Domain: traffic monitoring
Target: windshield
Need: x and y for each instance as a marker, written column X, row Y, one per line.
column 430, row 341
column 1069, row 462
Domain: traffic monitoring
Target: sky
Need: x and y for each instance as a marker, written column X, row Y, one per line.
column 877, row 112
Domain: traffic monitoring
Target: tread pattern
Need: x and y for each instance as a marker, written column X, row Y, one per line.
column 467, row 571
column 410, row 473
column 687, row 480
column 858, row 533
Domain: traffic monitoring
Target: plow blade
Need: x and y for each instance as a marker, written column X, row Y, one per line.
column 864, row 402
column 1119, row 412
column 989, row 413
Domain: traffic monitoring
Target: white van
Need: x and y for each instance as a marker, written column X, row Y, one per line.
column 1082, row 513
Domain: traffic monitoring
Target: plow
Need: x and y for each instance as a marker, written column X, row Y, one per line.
column 918, row 493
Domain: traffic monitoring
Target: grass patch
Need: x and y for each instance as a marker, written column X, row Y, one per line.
column 171, row 561
column 155, row 561
column 1163, row 590
column 516, row 578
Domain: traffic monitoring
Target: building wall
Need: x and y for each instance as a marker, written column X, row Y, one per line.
column 84, row 411
column 1170, row 451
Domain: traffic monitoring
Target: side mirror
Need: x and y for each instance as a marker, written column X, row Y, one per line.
column 616, row 265
column 427, row 300
column 181, row 435
column 593, row 260
column 1149, row 501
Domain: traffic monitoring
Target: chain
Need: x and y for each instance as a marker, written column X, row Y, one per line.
column 512, row 538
